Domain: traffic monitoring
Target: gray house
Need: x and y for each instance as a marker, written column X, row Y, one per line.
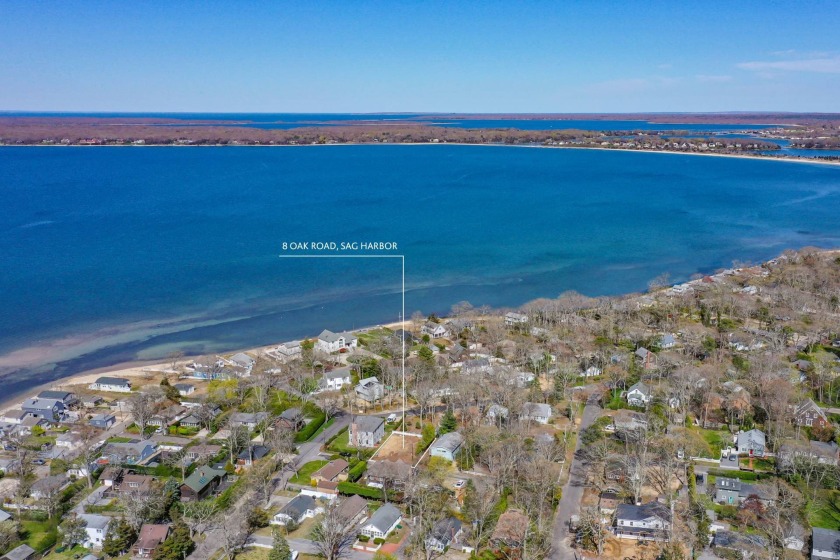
column 49, row 409
column 444, row 534
column 447, row 446
column 648, row 522
column 538, row 412
column 103, row 421
column 366, row 431
column 732, row 491
column 370, row 389
column 301, row 507
column 66, row 397
column 825, row 544
column 752, row 443
column 382, row 522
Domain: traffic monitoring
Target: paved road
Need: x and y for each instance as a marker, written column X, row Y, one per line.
column 573, row 491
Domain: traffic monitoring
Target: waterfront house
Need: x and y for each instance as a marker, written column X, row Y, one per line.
column 444, row 534
column 103, row 421
column 111, row 384
column 201, row 483
column 330, row 342
column 14, row 416
column 288, row 350
column 66, row 397
column 370, row 389
column 825, row 544
column 638, row 394
column 243, row 361
column 382, row 522
column 538, row 412
column 434, row 330
column 149, row 539
column 447, row 446
column 366, row 431
column 752, row 443
column 298, row 509
column 96, row 528
column 402, row 335
column 649, row 522
column 51, row 410
column 513, row 319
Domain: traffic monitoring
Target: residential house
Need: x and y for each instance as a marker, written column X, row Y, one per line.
column 497, row 413
column 434, row 330
column 167, row 416
column 149, row 539
column 402, row 335
column 447, row 446
column 538, row 412
column 111, row 384
column 329, row 342
column 23, row 552
column 591, row 371
column 513, row 319
column 825, row 544
column 25, row 428
column 382, row 522
column 444, row 534
column 298, row 509
column 289, row 350
column 352, row 509
column 391, row 474
column 629, row 421
column 370, row 389
column 821, row 452
column 66, row 397
column 136, row 484
column 68, row 440
column 667, row 341
column 745, row 545
column 248, row 419
column 14, row 416
column 96, row 529
column 336, row 379
column 4, row 515
column 51, row 410
column 752, row 443
column 8, row 465
column 334, row 471
column 127, row 453
column 201, row 483
column 243, row 361
column 807, row 413
column 250, row 454
column 646, row 358
column 476, row 366
column 291, row 419
column 511, row 529
column 103, row 421
column 366, row 431
column 193, row 420
column 607, row 502
column 185, row 389
column 732, row 491
column 638, row 394
column 649, row 522
column 202, row 452
column 48, row 486
column 91, row 401
column 112, row 476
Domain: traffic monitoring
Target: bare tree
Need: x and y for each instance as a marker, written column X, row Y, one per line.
column 197, row 515
column 142, row 407
column 334, row 535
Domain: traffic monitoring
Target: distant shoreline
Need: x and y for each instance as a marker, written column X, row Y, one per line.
column 488, row 144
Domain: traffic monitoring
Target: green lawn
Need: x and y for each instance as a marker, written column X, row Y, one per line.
column 76, row 552
column 304, row 475
column 825, row 511
column 716, row 440
column 323, row 427
column 759, row 464
column 342, row 443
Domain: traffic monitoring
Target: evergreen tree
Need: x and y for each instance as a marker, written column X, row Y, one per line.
column 72, row 530
column 280, row 550
column 177, row 545
column 120, row 537
column 448, row 423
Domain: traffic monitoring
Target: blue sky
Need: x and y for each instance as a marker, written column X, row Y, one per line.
column 482, row 56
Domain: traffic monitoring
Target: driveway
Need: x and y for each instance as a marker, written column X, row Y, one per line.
column 573, row 490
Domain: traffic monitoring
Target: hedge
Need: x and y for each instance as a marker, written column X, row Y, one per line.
column 357, row 471
column 740, row 475
column 309, row 430
column 335, row 437
column 359, row 490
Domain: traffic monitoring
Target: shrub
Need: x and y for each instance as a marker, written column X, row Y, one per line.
column 309, row 430
column 357, row 471
column 364, row 538
column 378, row 540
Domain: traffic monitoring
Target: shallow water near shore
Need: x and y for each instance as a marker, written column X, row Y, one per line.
column 114, row 254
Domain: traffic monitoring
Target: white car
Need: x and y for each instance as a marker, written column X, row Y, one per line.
column 392, row 417
column 460, row 483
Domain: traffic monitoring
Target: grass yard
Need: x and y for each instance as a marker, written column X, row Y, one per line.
column 825, row 511
column 759, row 464
column 716, row 440
column 342, row 443
column 254, row 553
column 304, row 475
column 76, row 552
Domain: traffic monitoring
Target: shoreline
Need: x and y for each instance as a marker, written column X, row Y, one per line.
column 792, row 159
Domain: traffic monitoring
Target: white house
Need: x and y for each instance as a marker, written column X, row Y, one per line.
column 329, row 342
column 68, row 440
column 538, row 412
column 592, row 371
column 336, row 379
column 97, row 527
column 112, row 384
column 434, row 330
column 638, row 395
column 243, row 361
column 382, row 522
column 497, row 412
column 512, row 319
column 289, row 350
column 667, row 341
column 649, row 522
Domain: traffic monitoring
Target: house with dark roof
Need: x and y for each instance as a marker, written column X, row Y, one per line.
column 248, row 419
column 301, row 507
column 826, row 453
column 366, row 431
column 250, row 454
column 825, row 544
column 103, row 421
column 444, row 534
column 353, row 509
column 51, row 410
column 370, row 389
column 744, row 544
column 638, row 394
column 391, row 474
column 291, row 419
column 127, row 453
column 66, row 397
column 447, row 446
column 23, row 552
column 648, row 522
column 150, row 537
column 732, row 491
column 112, row 384
column 808, row 413
column 201, row 483
column 646, row 358
column 382, row 522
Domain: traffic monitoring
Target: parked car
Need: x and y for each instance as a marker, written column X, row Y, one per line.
column 392, row 417
column 460, row 483
column 38, row 462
